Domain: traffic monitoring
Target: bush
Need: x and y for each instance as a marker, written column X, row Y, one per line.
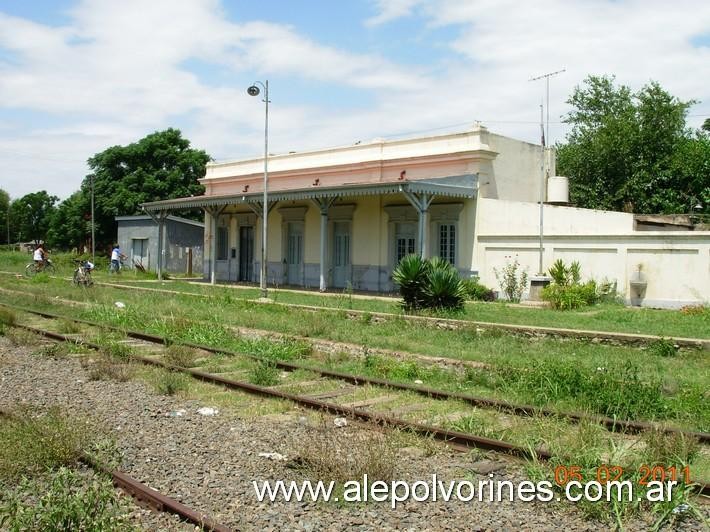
column 567, row 292
column 512, row 282
column 477, row 291
column 424, row 283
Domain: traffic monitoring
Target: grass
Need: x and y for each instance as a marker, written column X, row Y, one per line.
column 31, row 444
column 331, row 454
column 64, row 500
column 555, row 363
column 264, row 374
column 171, row 383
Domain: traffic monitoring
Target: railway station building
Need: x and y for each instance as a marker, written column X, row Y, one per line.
column 344, row 217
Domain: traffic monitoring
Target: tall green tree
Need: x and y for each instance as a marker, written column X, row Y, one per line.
column 30, row 216
column 4, row 218
column 160, row 166
column 632, row 151
column 70, row 224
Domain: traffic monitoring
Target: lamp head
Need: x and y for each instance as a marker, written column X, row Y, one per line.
column 253, row 90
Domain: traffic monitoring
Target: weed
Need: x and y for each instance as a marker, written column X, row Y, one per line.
column 40, row 278
column 339, row 455
column 52, row 350
column 31, row 444
column 279, row 349
column 7, row 317
column 106, row 368
column 663, row 347
column 180, row 355
column 366, row 318
column 116, row 350
column 18, row 336
column 670, row 449
column 69, row 502
column 512, row 281
column 264, row 374
column 171, row 382
column 68, row 327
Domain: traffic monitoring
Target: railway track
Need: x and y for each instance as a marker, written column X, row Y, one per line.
column 611, row 424
column 150, row 497
column 619, row 337
column 355, row 410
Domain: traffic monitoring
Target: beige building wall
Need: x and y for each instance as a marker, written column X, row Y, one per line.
column 676, row 264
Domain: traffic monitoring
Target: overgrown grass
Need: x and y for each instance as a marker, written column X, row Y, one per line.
column 180, row 355
column 264, row 373
column 64, row 500
column 32, row 443
column 171, row 383
column 332, row 454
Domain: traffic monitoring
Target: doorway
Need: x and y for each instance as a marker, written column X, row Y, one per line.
column 246, row 253
column 294, row 253
column 341, row 254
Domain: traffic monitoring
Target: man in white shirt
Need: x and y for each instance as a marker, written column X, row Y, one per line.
column 39, row 256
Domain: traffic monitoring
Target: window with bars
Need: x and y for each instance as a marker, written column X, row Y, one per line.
column 222, row 243
column 447, row 242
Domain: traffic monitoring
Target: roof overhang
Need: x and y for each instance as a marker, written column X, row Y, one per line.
column 461, row 186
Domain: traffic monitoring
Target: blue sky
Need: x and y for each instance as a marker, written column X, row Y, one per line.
column 77, row 76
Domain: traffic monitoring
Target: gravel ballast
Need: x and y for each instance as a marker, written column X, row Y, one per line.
column 209, row 462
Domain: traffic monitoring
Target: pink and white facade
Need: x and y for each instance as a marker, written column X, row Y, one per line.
column 345, row 216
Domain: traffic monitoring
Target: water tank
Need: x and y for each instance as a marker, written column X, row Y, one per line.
column 558, row 190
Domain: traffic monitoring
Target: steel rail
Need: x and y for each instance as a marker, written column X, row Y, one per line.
column 457, row 440
column 611, row 424
column 147, row 495
column 621, row 337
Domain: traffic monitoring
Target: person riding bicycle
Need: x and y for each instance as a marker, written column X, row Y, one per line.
column 39, row 256
column 116, row 258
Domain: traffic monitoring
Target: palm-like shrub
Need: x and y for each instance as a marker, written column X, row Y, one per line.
column 444, row 289
column 428, row 284
column 410, row 275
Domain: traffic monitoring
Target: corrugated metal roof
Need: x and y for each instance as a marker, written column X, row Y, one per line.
column 461, row 186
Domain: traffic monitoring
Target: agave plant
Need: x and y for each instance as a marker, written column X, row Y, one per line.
column 443, row 288
column 411, row 276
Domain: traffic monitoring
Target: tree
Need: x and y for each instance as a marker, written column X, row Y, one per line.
column 632, row 151
column 30, row 215
column 157, row 167
column 70, row 224
column 4, row 218
column 706, row 125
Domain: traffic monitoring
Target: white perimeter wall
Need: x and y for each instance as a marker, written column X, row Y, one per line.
column 675, row 263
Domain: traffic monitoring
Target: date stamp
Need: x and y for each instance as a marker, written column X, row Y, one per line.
column 614, row 473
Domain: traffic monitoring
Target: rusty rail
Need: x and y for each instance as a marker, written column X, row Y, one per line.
column 457, row 440
column 147, row 495
column 611, row 424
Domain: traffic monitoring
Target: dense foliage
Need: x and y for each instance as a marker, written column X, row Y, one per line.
column 157, row 167
column 567, row 291
column 30, row 216
column 633, row 152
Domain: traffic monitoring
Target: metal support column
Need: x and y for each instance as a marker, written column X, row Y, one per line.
column 323, row 205
column 159, row 218
column 421, row 202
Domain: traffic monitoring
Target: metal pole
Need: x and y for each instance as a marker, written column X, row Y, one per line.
column 93, row 225
column 540, row 271
column 264, row 291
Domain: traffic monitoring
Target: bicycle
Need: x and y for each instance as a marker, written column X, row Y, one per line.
column 45, row 266
column 115, row 268
column 82, row 274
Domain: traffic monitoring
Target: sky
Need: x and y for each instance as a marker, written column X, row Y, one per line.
column 79, row 76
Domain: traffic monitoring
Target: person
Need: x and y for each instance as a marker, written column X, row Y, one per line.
column 116, row 257
column 39, row 256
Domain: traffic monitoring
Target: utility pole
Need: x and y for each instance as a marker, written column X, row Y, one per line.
column 93, row 225
column 544, row 171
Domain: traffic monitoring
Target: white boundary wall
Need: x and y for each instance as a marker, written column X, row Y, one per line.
column 676, row 264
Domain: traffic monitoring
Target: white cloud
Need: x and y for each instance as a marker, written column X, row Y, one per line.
column 389, row 10
column 116, row 71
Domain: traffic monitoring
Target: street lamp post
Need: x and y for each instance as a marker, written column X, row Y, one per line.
column 254, row 91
